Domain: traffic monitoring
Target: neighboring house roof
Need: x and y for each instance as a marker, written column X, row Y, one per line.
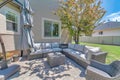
column 108, row 25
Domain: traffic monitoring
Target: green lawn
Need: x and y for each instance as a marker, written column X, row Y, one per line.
column 113, row 51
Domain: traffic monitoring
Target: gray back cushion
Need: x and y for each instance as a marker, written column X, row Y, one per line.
column 79, row 47
column 55, row 45
column 45, row 45
column 37, row 46
column 71, row 46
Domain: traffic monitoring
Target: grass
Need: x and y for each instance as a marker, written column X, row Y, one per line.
column 113, row 51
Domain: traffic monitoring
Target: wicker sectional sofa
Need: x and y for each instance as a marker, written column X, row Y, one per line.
column 81, row 54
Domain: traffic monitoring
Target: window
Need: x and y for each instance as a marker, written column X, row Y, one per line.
column 51, row 28
column 101, row 33
column 12, row 22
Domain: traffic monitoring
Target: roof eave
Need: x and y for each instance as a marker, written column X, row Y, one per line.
column 16, row 2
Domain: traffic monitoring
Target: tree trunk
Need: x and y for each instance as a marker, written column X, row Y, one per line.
column 77, row 39
column 3, row 51
column 74, row 37
column 77, row 34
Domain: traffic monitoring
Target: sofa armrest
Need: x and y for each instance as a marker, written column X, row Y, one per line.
column 93, row 73
column 99, row 56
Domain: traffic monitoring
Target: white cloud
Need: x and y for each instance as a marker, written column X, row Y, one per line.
column 112, row 17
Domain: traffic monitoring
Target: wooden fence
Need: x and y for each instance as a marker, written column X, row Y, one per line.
column 114, row 40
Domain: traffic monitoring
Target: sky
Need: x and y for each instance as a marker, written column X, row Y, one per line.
column 112, row 8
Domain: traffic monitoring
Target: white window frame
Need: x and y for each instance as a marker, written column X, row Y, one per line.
column 16, row 22
column 4, row 11
column 57, row 21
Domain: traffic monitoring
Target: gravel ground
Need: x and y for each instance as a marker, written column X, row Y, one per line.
column 39, row 69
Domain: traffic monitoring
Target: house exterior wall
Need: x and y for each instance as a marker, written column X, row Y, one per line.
column 110, row 32
column 44, row 9
column 10, row 38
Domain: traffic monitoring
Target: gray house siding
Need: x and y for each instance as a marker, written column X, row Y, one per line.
column 44, row 9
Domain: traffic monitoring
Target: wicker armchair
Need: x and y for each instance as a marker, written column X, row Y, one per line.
column 100, row 71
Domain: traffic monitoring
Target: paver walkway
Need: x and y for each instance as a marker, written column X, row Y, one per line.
column 39, row 69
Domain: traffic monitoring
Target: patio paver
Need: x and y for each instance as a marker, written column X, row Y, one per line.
column 39, row 69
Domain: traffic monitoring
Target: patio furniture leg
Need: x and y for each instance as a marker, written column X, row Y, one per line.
column 21, row 53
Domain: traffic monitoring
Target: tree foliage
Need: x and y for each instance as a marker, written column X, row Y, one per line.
column 79, row 16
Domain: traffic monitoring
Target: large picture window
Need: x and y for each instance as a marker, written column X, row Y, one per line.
column 12, row 22
column 51, row 28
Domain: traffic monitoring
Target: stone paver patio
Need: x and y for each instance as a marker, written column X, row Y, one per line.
column 39, row 69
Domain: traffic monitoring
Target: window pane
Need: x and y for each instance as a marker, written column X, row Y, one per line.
column 55, row 30
column 11, row 26
column 8, row 16
column 47, row 28
column 11, row 16
column 15, row 27
column 11, row 21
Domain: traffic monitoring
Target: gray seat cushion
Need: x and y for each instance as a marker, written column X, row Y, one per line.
column 12, row 69
column 83, row 56
column 57, row 49
column 71, row 51
column 75, row 52
column 78, row 54
column 36, row 52
column 47, row 50
column 67, row 50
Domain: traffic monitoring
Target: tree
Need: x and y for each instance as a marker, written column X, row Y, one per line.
column 82, row 14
